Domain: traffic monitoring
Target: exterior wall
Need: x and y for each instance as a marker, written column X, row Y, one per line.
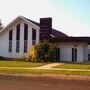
column 4, row 39
column 88, row 49
column 3, row 44
column 66, row 51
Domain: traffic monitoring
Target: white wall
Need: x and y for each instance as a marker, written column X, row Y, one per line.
column 88, row 49
column 66, row 51
column 4, row 39
column 3, row 44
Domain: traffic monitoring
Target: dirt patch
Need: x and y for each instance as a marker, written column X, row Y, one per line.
column 44, row 82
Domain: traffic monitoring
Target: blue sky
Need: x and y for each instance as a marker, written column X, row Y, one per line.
column 80, row 9
column 69, row 16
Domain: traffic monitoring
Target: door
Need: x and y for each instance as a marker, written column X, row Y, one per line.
column 74, row 54
column 58, row 54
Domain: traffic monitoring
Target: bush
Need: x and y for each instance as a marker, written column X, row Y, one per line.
column 2, row 58
column 22, row 59
column 43, row 52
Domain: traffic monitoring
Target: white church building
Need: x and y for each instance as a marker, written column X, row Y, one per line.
column 19, row 36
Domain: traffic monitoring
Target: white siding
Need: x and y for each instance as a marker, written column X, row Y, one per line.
column 66, row 51
column 4, row 44
column 4, row 39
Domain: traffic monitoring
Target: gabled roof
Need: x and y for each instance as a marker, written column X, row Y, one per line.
column 36, row 23
column 20, row 17
column 55, row 33
column 57, row 36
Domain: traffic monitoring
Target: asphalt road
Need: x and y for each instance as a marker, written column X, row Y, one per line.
column 43, row 83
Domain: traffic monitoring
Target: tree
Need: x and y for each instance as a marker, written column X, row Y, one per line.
column 43, row 52
column 1, row 25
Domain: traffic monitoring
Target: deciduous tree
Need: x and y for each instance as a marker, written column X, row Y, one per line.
column 43, row 52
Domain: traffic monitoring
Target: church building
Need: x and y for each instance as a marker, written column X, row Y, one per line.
column 19, row 36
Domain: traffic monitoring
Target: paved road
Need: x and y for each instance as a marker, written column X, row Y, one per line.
column 42, row 83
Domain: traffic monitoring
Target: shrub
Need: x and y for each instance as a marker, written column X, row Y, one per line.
column 22, row 59
column 2, row 58
column 43, row 52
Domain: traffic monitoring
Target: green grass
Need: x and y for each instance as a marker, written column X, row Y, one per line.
column 19, row 64
column 40, row 71
column 74, row 66
column 18, row 70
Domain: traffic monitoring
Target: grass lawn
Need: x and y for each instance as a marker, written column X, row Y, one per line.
column 19, row 64
column 19, row 70
column 74, row 66
column 41, row 71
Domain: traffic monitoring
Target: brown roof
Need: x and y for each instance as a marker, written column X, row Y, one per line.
column 62, row 37
column 56, row 33
column 72, row 39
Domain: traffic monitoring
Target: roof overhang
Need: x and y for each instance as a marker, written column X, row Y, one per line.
column 72, row 39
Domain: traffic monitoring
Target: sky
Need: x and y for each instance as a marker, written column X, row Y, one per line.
column 69, row 16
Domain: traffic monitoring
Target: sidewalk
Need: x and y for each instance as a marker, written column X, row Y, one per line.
column 49, row 66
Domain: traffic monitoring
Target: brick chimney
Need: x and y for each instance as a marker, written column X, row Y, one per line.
column 45, row 28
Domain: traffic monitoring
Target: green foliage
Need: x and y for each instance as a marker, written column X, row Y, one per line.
column 43, row 52
column 1, row 25
column 22, row 59
column 2, row 58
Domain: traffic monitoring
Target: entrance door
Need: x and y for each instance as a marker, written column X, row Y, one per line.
column 58, row 55
column 74, row 54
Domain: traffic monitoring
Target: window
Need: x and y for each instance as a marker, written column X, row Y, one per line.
column 33, row 36
column 10, row 35
column 25, row 46
column 25, row 37
column 17, row 38
column 10, row 40
column 10, row 46
column 18, row 32
column 17, row 46
column 25, row 32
